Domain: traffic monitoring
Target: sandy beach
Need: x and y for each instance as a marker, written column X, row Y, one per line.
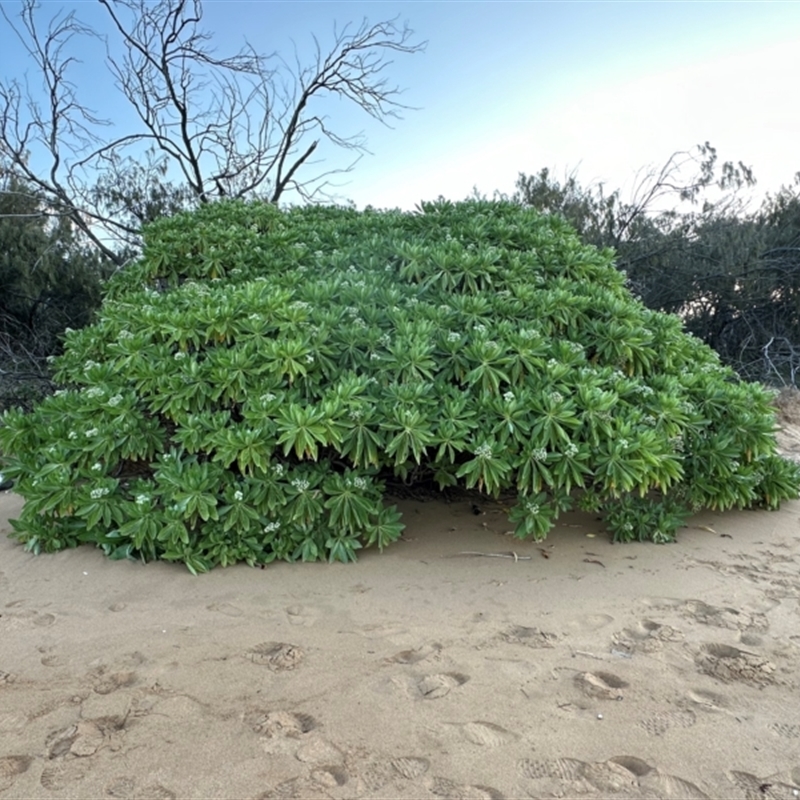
column 461, row 663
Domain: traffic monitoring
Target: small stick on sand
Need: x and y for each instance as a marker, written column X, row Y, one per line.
column 510, row 554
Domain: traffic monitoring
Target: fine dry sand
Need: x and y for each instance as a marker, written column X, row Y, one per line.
column 577, row 669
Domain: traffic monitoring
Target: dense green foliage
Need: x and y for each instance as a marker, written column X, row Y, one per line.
column 732, row 275
column 48, row 282
column 255, row 378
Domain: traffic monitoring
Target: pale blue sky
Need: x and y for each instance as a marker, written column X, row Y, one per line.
column 509, row 87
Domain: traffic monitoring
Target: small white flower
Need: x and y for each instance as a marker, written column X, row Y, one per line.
column 508, row 397
column 572, row 450
column 72, row 435
column 453, row 337
column 238, row 496
column 301, row 484
column 96, row 494
column 624, row 443
column 97, row 466
column 141, row 499
column 532, row 508
column 90, row 364
column 115, row 400
column 309, row 359
column 556, row 397
column 375, row 356
column 267, row 398
column 95, row 391
column 483, row 451
column 92, row 432
column 271, row 526
column 360, row 483
column 278, row 469
column 179, row 355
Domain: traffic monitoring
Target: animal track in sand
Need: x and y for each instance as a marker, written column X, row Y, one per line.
column 662, row 721
column 10, row 768
column 603, row 685
column 278, row 656
column 786, row 730
column 731, row 664
column 440, row 684
column 443, row 787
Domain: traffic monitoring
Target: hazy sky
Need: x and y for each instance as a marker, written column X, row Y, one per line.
column 510, row 87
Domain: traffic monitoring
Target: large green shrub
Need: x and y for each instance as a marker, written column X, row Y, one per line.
column 258, row 375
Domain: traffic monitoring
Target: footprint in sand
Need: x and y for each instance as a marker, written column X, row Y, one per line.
column 530, row 637
column 646, row 636
column 278, row 656
column 709, row 701
column 106, row 683
column 125, row 788
column 588, row 623
column 62, row 773
column 782, row 786
column 304, row 616
column 731, row 664
column 602, row 685
column 86, row 737
column 662, row 721
column 11, row 767
column 377, row 773
column 414, row 656
column 622, row 774
column 730, row 618
column 26, row 618
column 443, row 787
column 279, row 724
column 432, row 687
column 485, row 734
column 296, row 789
column 227, row 609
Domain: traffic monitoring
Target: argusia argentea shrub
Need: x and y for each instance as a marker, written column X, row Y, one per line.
column 255, row 378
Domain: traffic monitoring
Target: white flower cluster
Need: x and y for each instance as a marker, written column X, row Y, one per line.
column 115, row 400
column 309, row 358
column 125, row 335
column 300, row 305
column 278, row 469
column 385, row 339
column 72, row 435
column 453, row 337
column 509, row 397
column 271, row 526
column 96, row 494
column 92, row 432
column 141, row 499
column 532, row 508
column 572, row 450
column 676, row 442
column 539, row 454
column 483, row 451
column 552, row 362
column 355, row 414
column 179, row 355
column 95, row 391
column 301, row 484
column 557, row 397
column 479, row 328
column 97, row 466
column 360, row 483
column 238, row 496
column 623, row 443
column 375, row 356
column 267, row 398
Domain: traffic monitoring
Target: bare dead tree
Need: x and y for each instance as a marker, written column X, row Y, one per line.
column 231, row 126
